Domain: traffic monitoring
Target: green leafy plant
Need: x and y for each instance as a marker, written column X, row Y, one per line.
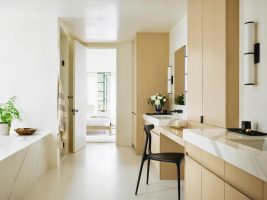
column 179, row 99
column 8, row 112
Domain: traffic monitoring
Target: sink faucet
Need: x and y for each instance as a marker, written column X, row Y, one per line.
column 176, row 111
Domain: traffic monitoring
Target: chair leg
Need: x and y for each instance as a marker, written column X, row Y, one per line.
column 178, row 180
column 139, row 176
column 148, row 168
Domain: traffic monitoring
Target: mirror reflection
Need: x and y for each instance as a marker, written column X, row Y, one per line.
column 179, row 75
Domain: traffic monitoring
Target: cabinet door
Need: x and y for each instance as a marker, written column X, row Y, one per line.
column 214, row 62
column 194, row 51
column 233, row 194
column 134, row 129
column 265, row 191
column 192, row 179
column 212, row 186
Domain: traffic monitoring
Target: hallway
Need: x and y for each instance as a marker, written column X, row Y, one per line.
column 101, row 172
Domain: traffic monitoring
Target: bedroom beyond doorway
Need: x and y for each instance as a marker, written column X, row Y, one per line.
column 101, row 95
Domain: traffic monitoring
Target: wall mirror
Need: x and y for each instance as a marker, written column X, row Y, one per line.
column 180, row 74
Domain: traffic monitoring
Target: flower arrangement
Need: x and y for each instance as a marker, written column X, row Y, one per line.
column 157, row 100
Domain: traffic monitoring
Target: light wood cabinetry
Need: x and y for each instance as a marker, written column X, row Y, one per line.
column 233, row 194
column 150, row 66
column 248, row 184
column 265, row 191
column 212, row 163
column 134, row 129
column 194, row 52
column 212, row 178
column 213, row 62
column 192, row 179
column 212, row 186
column 155, row 148
column 168, row 171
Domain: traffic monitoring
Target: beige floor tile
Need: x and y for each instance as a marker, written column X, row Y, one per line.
column 101, row 172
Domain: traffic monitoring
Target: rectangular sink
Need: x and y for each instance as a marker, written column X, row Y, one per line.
column 164, row 117
column 259, row 143
column 160, row 120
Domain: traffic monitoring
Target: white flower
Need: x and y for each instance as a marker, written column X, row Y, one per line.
column 157, row 102
column 159, row 97
column 164, row 100
column 153, row 98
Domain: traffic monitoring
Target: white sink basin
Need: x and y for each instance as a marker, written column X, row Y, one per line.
column 160, row 120
column 259, row 143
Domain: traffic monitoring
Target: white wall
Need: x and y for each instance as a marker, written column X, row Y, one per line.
column 124, row 89
column 101, row 60
column 253, row 99
column 178, row 38
column 29, row 55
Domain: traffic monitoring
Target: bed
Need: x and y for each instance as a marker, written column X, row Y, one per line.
column 96, row 123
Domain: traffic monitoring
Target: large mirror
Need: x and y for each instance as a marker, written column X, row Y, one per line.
column 180, row 75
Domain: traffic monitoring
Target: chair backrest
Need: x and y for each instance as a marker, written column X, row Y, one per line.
column 147, row 148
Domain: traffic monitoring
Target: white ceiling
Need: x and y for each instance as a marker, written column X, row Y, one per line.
column 103, row 20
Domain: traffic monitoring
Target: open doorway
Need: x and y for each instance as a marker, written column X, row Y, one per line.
column 101, row 95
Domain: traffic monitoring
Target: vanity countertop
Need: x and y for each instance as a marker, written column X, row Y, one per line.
column 13, row 143
column 172, row 133
column 248, row 153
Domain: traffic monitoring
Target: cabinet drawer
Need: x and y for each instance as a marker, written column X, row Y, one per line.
column 233, row 194
column 241, row 180
column 214, row 164
column 193, row 151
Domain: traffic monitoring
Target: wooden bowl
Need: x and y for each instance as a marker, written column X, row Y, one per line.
column 25, row 131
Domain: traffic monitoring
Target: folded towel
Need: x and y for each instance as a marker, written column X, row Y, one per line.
column 62, row 112
column 180, row 124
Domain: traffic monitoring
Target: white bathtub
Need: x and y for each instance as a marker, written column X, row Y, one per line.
column 23, row 160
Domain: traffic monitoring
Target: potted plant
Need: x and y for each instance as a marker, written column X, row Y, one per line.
column 158, row 101
column 8, row 112
column 179, row 99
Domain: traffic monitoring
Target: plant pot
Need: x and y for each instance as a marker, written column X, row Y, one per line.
column 4, row 129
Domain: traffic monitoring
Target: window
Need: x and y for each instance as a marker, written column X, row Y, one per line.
column 103, row 90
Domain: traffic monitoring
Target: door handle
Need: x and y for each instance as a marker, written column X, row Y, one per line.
column 74, row 111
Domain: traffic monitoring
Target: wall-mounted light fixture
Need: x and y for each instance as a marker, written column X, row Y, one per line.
column 251, row 53
column 170, row 79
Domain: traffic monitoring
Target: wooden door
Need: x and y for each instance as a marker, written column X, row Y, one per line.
column 192, row 179
column 194, row 51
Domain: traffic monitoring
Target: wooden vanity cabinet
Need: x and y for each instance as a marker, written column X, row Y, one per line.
column 213, row 62
column 233, row 194
column 212, row 186
column 192, row 179
column 150, row 67
column 208, row 177
column 155, row 148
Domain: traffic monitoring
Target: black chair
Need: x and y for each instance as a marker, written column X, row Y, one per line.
column 162, row 157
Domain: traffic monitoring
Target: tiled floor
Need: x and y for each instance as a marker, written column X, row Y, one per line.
column 101, row 136
column 101, row 172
